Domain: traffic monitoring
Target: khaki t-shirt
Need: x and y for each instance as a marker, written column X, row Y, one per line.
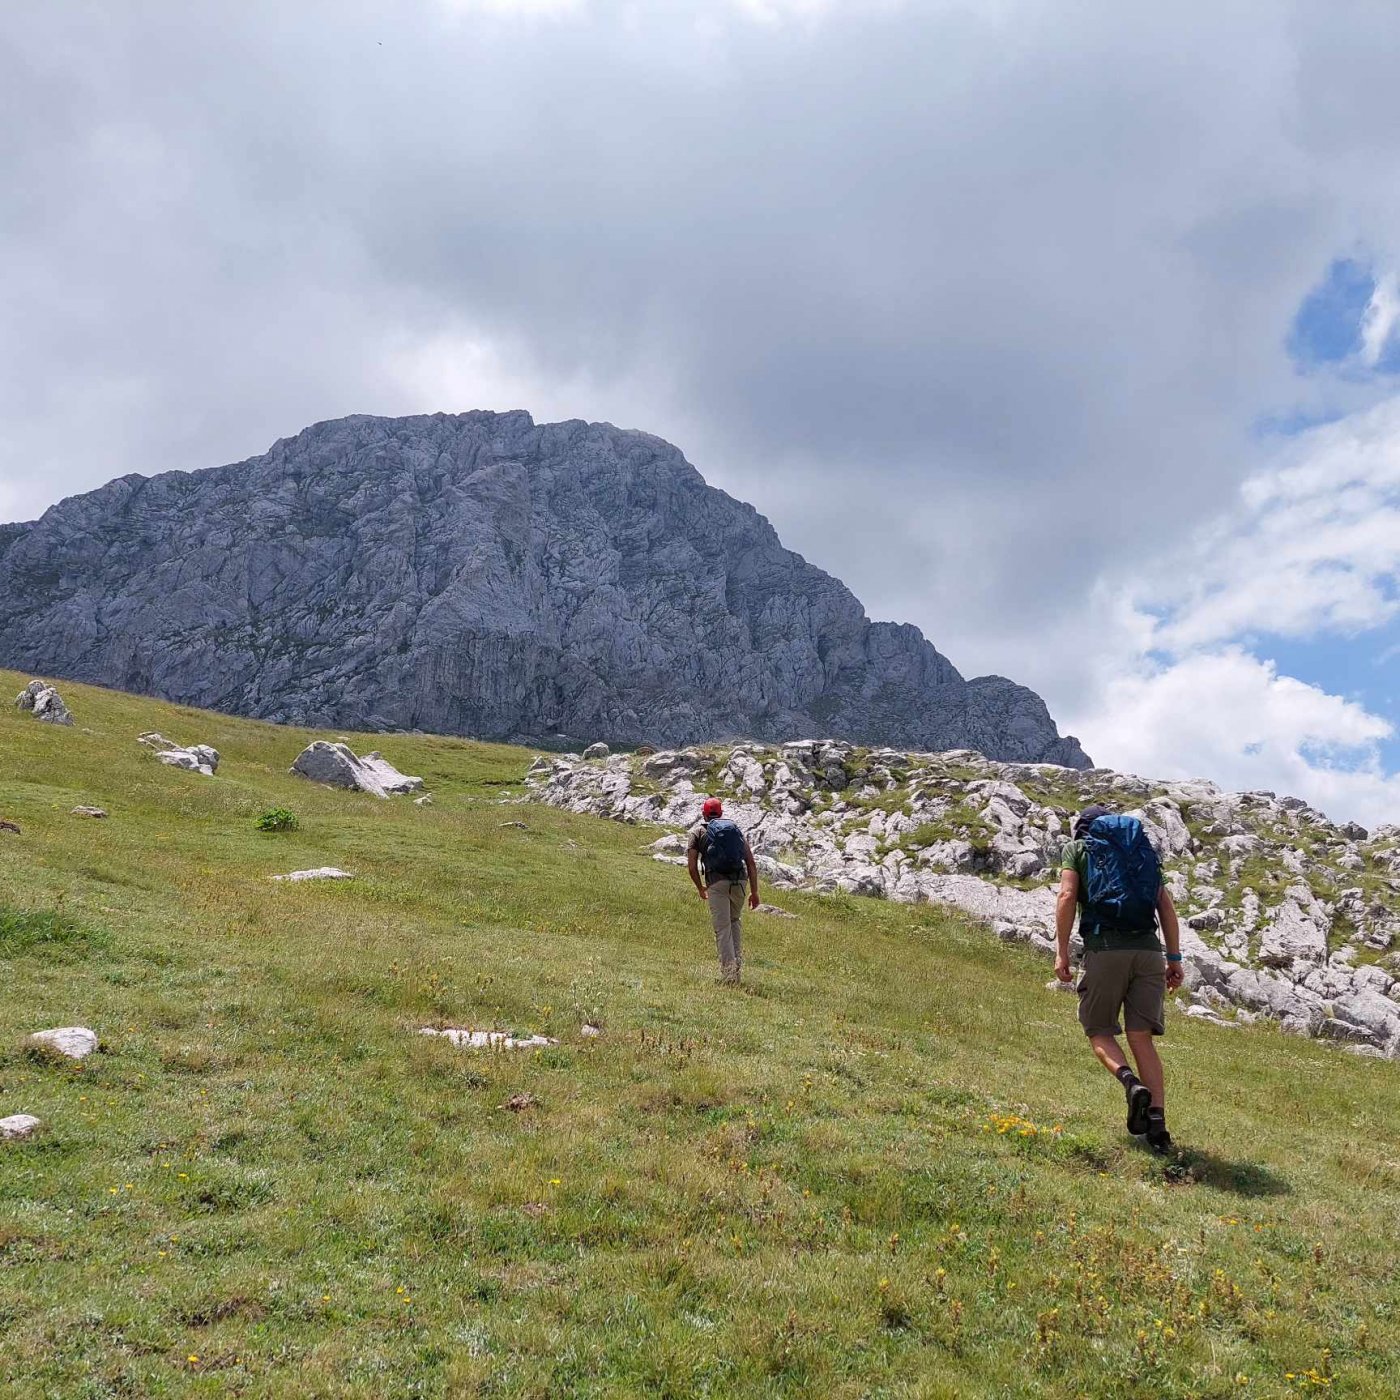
column 1072, row 857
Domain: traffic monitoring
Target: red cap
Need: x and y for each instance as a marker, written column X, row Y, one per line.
column 713, row 807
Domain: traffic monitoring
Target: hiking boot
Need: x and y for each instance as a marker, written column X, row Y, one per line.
column 1158, row 1138
column 1139, row 1106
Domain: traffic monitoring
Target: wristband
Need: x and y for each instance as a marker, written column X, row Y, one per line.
column 1173, row 957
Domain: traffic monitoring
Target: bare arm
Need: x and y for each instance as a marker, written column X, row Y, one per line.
column 753, row 876
column 1066, row 906
column 1171, row 934
column 692, row 861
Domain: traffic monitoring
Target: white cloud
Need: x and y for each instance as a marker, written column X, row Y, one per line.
column 1312, row 550
column 1313, row 547
column 1231, row 717
column 1381, row 318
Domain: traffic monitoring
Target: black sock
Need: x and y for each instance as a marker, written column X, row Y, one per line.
column 1126, row 1077
column 1157, row 1117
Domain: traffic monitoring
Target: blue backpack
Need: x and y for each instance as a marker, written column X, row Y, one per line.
column 724, row 850
column 1123, row 875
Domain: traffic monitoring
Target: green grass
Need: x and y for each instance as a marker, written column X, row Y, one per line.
column 889, row 1167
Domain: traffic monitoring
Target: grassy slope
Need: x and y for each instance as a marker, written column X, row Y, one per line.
column 267, row 1185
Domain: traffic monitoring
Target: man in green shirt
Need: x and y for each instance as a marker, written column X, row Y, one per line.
column 1124, row 970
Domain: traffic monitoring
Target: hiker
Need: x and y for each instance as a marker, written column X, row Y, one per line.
column 1111, row 875
column 718, row 844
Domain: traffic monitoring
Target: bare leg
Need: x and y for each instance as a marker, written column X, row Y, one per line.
column 1110, row 1056
column 1149, row 1065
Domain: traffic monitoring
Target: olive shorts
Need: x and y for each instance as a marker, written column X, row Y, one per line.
column 1131, row 980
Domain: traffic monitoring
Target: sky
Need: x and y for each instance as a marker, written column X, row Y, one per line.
column 1070, row 333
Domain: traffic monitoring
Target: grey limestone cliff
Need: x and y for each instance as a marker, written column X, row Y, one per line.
column 481, row 574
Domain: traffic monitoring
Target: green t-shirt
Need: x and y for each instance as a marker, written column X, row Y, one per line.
column 1073, row 858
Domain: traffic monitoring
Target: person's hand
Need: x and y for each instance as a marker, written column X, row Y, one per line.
column 753, row 900
column 702, row 892
column 1062, row 970
column 1176, row 975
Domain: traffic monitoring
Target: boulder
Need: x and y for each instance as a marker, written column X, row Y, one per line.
column 73, row 1042
column 42, row 701
column 324, row 872
column 196, row 758
column 598, row 750
column 1297, row 930
column 337, row 766
column 18, row 1127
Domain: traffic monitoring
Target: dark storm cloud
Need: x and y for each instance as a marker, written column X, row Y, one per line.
column 976, row 301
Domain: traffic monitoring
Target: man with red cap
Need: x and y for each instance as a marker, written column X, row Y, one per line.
column 729, row 874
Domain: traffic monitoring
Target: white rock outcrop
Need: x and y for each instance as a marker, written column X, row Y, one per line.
column 44, row 703
column 74, row 1042
column 194, row 758
column 323, row 872
column 337, row 765
column 1284, row 913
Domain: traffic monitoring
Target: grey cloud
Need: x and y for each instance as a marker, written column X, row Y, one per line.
column 922, row 284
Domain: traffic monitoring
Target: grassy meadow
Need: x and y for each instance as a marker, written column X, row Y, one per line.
column 887, row 1167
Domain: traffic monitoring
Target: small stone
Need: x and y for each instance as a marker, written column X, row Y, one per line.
column 19, row 1126
column 488, row 1040
column 425, row 801
column 514, row 826
column 774, row 910
column 1055, row 985
column 88, row 812
column 590, row 1030
column 7, row 825
column 518, row 1103
column 73, row 1042
column 324, row 872
column 599, row 750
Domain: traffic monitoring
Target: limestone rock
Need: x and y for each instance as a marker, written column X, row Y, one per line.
column 774, row 910
column 44, row 703
column 425, row 801
column 18, row 1127
column 96, row 812
column 337, row 766
column 323, row 872
column 73, row 1042
column 598, row 750
column 194, row 758
column 482, row 574
column 489, row 1040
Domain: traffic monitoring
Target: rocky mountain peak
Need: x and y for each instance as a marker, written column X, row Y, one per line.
column 480, row 573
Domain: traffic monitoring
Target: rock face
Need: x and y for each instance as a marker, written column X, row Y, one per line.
column 337, row 765
column 481, row 574
column 197, row 758
column 44, row 703
column 1284, row 914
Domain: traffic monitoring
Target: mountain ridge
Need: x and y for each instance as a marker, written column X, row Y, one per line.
column 482, row 574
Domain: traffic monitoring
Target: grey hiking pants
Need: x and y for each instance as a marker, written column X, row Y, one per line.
column 726, row 900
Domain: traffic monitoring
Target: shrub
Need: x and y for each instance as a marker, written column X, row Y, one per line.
column 277, row 819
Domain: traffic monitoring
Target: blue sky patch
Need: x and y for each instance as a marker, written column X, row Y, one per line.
column 1327, row 328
